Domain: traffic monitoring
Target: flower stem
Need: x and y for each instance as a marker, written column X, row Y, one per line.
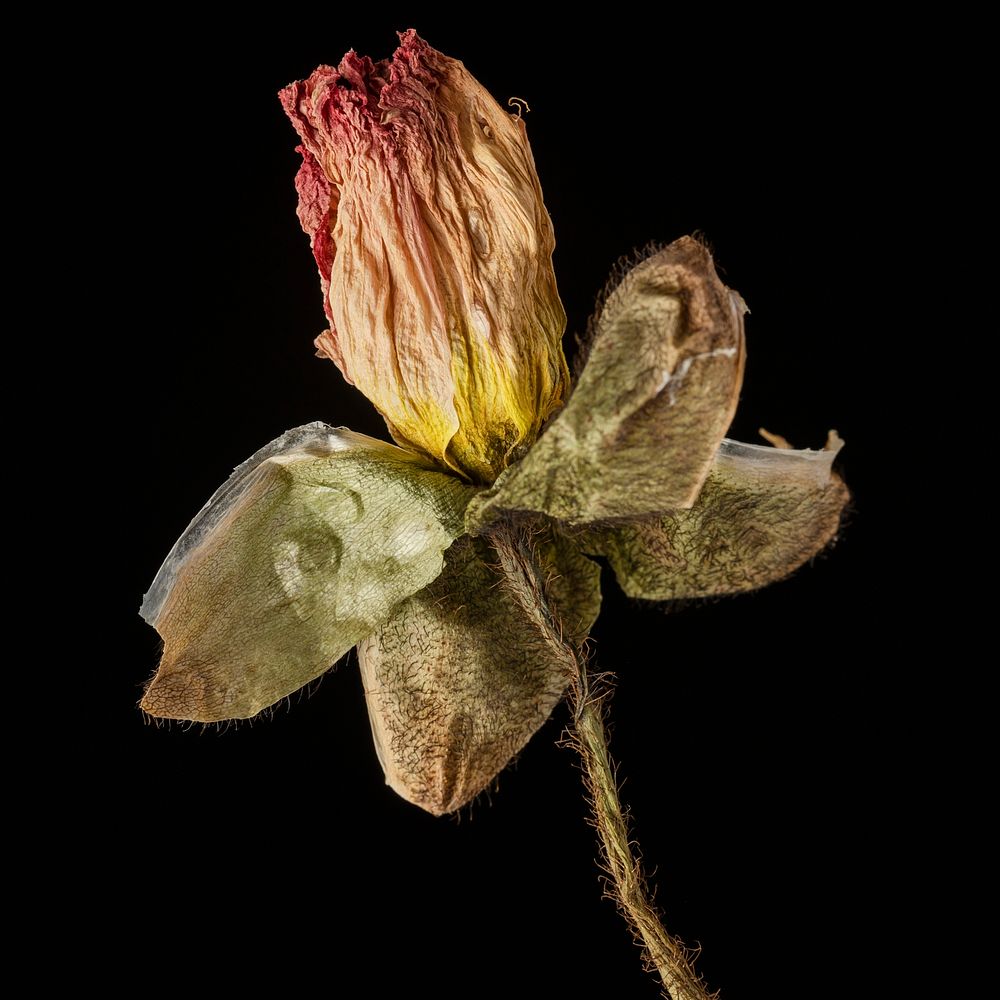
column 672, row 960
column 668, row 955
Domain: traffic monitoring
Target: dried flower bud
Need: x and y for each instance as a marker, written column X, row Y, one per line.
column 421, row 200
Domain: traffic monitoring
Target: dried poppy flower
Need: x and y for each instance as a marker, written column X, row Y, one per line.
column 458, row 561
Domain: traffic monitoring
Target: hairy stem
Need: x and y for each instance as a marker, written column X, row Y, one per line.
column 668, row 955
column 672, row 960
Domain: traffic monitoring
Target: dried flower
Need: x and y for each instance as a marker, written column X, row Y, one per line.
column 434, row 247
column 459, row 563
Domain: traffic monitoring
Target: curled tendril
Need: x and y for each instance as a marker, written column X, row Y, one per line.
column 520, row 103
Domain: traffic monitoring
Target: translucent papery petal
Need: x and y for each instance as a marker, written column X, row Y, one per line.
column 640, row 431
column 468, row 669
column 761, row 514
column 309, row 546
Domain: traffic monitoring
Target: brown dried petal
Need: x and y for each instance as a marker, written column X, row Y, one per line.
column 761, row 514
column 467, row 670
column 658, row 391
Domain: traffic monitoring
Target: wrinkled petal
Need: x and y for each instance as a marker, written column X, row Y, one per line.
column 761, row 514
column 308, row 548
column 420, row 196
column 468, row 669
column 658, row 391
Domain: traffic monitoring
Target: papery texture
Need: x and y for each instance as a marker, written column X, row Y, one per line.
column 761, row 514
column 421, row 199
column 658, row 391
column 468, row 669
column 308, row 548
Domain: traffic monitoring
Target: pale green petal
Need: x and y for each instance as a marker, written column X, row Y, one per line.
column 468, row 669
column 658, row 391
column 308, row 548
column 762, row 513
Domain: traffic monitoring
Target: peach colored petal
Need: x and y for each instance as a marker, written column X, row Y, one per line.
column 420, row 196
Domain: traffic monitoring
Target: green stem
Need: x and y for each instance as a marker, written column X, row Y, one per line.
column 671, row 959
column 668, row 954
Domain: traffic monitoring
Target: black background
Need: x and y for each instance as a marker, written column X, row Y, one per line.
column 748, row 730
